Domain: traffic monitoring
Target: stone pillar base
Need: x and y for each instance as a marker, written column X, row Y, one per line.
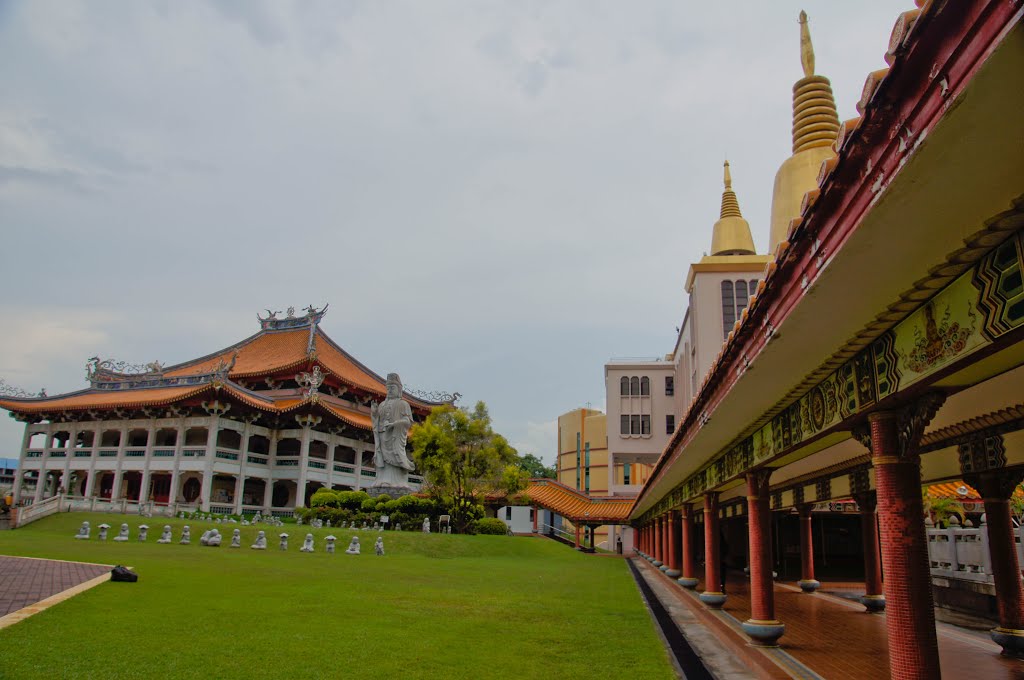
column 713, row 600
column 663, row 568
column 873, row 603
column 764, row 633
column 672, row 573
column 656, row 563
column 689, row 583
column 808, row 585
column 1012, row 641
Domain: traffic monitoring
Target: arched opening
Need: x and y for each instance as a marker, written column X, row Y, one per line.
column 84, row 440
column 167, row 437
column 344, row 454
column 196, row 436
column 259, row 444
column 106, row 484
column 138, row 438
column 110, row 439
column 289, row 447
column 190, row 489
column 367, row 459
column 229, row 439
column 645, row 386
column 634, row 386
column 624, row 386
column 282, row 494
column 37, row 440
column 254, row 491
column 132, row 484
column 318, row 449
column 311, row 488
column 223, row 489
column 160, row 488
column 60, row 439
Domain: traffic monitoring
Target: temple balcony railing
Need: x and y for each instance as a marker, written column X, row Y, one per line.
column 227, row 455
column 368, row 473
column 316, row 464
column 83, row 454
column 256, row 460
column 963, row 552
column 163, row 453
column 344, row 468
column 193, row 453
column 33, row 454
column 108, row 454
column 286, row 462
column 135, row 453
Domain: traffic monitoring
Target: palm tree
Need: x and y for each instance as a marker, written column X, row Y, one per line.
column 941, row 509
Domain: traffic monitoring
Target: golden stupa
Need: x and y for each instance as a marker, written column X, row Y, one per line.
column 731, row 235
column 815, row 127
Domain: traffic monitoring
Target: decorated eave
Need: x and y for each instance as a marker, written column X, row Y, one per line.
column 933, row 54
column 289, row 367
column 577, row 507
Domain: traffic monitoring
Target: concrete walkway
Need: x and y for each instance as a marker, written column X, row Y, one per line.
column 831, row 637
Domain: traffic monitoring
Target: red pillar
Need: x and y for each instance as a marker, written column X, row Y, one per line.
column 762, row 626
column 996, row 487
column 672, row 552
column 910, row 618
column 659, row 541
column 874, row 599
column 712, row 596
column 807, row 581
column 689, row 576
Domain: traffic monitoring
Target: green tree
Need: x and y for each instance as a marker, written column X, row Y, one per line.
column 941, row 509
column 462, row 458
column 535, row 467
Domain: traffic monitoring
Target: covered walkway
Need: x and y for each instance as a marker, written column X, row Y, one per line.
column 827, row 636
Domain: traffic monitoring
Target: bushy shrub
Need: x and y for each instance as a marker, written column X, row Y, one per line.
column 490, row 525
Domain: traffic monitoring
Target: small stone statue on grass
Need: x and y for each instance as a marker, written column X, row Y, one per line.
column 284, row 541
column 214, row 539
column 307, row 545
column 103, row 531
column 204, row 539
column 143, row 532
column 353, row 546
column 426, row 525
column 122, row 535
column 165, row 537
column 378, row 547
column 236, row 538
column 330, row 544
column 83, row 531
column 186, row 535
column 261, row 541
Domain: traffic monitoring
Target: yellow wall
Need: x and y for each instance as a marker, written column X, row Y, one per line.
column 591, row 425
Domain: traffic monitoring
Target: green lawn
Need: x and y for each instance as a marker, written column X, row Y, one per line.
column 436, row 606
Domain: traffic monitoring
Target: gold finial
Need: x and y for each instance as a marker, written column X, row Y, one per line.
column 806, row 48
column 730, row 206
column 728, row 177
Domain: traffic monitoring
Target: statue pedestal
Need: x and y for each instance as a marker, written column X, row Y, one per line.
column 392, row 490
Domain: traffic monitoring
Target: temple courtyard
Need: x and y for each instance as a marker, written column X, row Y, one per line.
column 434, row 606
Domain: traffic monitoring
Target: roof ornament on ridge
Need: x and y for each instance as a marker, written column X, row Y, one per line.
column 271, row 322
column 435, row 396
column 311, row 381
column 8, row 390
column 108, row 369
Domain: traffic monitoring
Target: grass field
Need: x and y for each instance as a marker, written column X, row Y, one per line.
column 435, row 606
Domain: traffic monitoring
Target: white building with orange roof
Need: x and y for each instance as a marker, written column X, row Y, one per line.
column 260, row 425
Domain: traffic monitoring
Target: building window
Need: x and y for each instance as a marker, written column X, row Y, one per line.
column 670, row 423
column 624, row 424
column 634, row 386
column 728, row 308
column 577, row 460
column 586, row 475
column 670, row 386
column 508, row 512
column 624, row 386
column 645, row 425
column 533, row 515
column 645, row 386
column 625, row 473
column 634, row 424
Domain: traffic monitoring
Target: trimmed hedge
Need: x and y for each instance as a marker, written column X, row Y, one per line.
column 491, row 525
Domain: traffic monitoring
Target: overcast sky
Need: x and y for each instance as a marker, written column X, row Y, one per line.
column 494, row 197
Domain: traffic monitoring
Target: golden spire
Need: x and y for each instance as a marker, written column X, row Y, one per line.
column 815, row 121
column 730, row 205
column 806, row 48
column 731, row 235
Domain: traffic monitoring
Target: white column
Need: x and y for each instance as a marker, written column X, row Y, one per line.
column 90, row 481
column 268, row 490
column 19, row 471
column 331, row 442
column 243, row 459
column 144, row 482
column 69, row 453
column 300, row 492
column 211, row 455
column 115, row 492
column 41, row 484
column 179, row 444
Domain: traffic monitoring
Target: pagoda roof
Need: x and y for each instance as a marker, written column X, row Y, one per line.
column 280, row 350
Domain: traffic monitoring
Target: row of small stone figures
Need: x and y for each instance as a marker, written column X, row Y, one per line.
column 256, row 519
column 212, row 538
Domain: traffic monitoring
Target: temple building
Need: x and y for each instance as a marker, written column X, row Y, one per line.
column 259, row 425
column 879, row 352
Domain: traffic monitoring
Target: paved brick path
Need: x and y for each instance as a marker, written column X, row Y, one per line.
column 25, row 581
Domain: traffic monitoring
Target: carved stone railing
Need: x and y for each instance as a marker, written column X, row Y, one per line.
column 962, row 552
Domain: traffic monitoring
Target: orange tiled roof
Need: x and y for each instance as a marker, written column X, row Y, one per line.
column 951, row 490
column 90, row 399
column 338, row 362
column 360, row 420
column 576, row 506
column 263, row 353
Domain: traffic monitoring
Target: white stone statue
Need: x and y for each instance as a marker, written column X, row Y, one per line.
column 204, row 539
column 378, row 547
column 186, row 535
column 426, row 525
column 330, row 544
column 392, row 419
column 328, row 524
column 353, row 546
column 261, row 541
column 143, row 532
column 284, row 541
column 376, row 526
column 83, row 531
column 165, row 537
column 103, row 531
column 122, row 535
column 257, row 518
column 307, row 545
column 236, row 538
column 214, row 540
column 298, row 520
